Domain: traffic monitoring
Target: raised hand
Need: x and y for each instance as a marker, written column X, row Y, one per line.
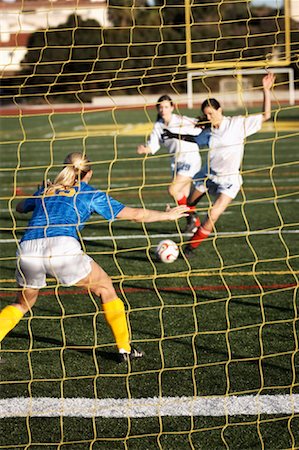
column 268, row 81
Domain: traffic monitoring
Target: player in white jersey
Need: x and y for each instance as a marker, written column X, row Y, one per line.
column 51, row 245
column 185, row 156
column 221, row 176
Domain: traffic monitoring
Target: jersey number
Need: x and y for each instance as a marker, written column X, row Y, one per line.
column 67, row 193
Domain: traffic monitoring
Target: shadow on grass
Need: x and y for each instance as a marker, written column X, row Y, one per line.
column 107, row 355
column 114, row 356
column 257, row 305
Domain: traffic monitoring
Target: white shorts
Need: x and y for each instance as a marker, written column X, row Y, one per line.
column 230, row 189
column 60, row 257
column 188, row 165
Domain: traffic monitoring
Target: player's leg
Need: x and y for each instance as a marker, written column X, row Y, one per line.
column 195, row 197
column 193, row 220
column 225, row 192
column 71, row 266
column 180, row 191
column 197, row 191
column 179, row 188
column 12, row 314
column 200, row 186
column 185, row 170
column 30, row 277
column 207, row 226
column 99, row 282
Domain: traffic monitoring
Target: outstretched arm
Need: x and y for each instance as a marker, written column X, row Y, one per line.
column 202, row 139
column 20, row 208
column 167, row 134
column 26, row 205
column 268, row 82
column 150, row 215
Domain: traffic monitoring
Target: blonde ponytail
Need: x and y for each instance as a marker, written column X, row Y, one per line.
column 77, row 165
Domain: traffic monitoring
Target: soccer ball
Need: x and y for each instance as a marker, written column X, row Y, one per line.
column 167, row 251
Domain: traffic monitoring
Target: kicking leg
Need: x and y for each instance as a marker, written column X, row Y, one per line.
column 180, row 191
column 194, row 197
column 193, row 221
column 207, row 226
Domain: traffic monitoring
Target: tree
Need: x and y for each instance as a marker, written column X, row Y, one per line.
column 58, row 60
column 145, row 48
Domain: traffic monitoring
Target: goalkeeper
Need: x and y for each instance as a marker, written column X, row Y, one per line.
column 50, row 245
column 185, row 157
column 221, row 176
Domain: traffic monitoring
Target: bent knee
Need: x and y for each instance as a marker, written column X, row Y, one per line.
column 26, row 299
column 103, row 288
column 172, row 191
column 178, row 190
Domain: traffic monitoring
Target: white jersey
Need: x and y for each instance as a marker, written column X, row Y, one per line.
column 186, row 159
column 227, row 146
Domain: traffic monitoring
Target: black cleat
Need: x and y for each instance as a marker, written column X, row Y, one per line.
column 189, row 252
column 193, row 223
column 134, row 354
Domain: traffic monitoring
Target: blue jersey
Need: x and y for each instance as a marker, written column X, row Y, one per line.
column 65, row 212
column 203, row 139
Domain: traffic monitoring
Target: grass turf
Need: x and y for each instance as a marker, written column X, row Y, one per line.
column 224, row 323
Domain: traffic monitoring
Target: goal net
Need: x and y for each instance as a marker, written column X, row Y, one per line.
column 219, row 331
column 237, row 86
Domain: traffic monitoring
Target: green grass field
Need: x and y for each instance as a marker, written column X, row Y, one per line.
column 224, row 324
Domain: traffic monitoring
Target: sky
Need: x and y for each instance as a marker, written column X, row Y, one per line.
column 273, row 3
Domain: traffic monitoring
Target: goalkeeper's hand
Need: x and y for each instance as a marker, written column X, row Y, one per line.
column 177, row 212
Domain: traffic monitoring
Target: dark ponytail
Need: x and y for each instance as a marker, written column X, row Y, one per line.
column 212, row 102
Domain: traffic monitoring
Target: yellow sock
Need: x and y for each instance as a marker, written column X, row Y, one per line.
column 10, row 316
column 116, row 318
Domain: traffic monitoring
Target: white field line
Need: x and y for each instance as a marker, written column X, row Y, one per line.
column 150, row 407
column 205, row 203
column 202, row 203
column 173, row 235
column 7, row 165
column 249, row 181
column 153, row 236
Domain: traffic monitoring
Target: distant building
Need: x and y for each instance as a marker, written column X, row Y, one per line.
column 295, row 10
column 20, row 18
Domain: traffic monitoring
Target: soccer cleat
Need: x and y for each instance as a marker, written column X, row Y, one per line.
column 193, row 223
column 189, row 252
column 134, row 354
